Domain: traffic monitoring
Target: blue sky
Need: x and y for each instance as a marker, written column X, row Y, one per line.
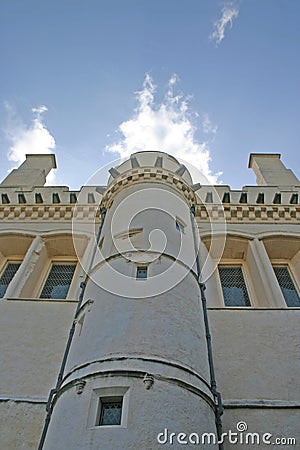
column 207, row 80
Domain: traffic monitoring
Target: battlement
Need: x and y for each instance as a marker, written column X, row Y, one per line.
column 25, row 200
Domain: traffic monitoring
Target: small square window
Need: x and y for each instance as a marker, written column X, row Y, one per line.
column 110, row 411
column 141, row 272
column 233, row 286
column 109, row 407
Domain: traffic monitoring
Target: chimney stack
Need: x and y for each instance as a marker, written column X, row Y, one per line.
column 32, row 172
column 270, row 171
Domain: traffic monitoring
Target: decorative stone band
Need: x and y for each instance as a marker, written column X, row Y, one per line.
column 148, row 174
column 34, row 400
column 137, row 366
column 248, row 213
column 140, row 374
column 46, row 212
column 260, row 403
column 208, row 212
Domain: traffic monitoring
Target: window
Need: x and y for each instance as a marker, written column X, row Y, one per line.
column 110, row 411
column 287, row 286
column 109, row 406
column 7, row 275
column 179, row 225
column 234, row 286
column 141, row 272
column 58, row 280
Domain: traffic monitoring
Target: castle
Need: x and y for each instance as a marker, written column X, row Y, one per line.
column 151, row 312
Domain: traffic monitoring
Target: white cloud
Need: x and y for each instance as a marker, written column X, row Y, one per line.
column 32, row 138
column 165, row 126
column 229, row 12
column 207, row 126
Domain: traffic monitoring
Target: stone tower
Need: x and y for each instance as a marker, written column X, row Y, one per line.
column 138, row 366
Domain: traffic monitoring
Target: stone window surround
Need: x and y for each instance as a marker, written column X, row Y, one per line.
column 95, row 405
column 180, row 225
column 14, row 247
column 257, row 268
column 8, row 260
column 5, row 264
column 248, row 282
column 291, row 270
column 46, row 272
column 37, row 260
column 286, row 252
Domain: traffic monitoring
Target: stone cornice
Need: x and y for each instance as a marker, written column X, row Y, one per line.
column 148, row 175
column 248, row 213
column 204, row 212
column 48, row 212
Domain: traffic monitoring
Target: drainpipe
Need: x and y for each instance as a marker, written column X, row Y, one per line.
column 213, row 383
column 49, row 406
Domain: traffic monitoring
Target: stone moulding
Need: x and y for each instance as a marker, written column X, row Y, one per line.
column 149, row 175
column 211, row 212
column 34, row 400
column 248, row 213
column 139, row 374
column 48, row 212
column 260, row 403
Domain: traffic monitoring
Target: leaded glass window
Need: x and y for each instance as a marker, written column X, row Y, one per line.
column 58, row 281
column 110, row 411
column 233, row 286
column 6, row 277
column 287, row 286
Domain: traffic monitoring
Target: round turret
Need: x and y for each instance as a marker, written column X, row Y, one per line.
column 139, row 355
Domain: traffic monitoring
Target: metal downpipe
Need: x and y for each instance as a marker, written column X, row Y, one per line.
column 49, row 407
column 216, row 394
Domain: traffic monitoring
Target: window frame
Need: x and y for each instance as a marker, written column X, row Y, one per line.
column 285, row 263
column 106, row 400
column 44, row 277
column 238, row 264
column 180, row 225
column 141, row 267
column 4, row 266
column 98, row 393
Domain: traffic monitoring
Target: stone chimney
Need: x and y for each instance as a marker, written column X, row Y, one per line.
column 32, row 172
column 270, row 171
